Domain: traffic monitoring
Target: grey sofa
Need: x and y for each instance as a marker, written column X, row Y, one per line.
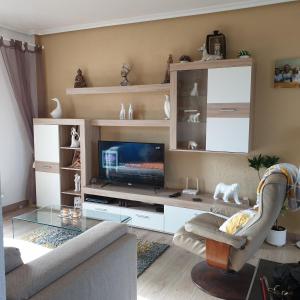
column 98, row 264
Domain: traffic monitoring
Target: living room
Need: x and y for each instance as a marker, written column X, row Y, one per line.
column 149, row 149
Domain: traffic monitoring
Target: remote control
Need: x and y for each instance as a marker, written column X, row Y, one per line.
column 175, row 195
column 197, row 199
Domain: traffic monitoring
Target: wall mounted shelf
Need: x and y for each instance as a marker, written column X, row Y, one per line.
column 71, row 169
column 131, row 123
column 145, row 88
column 72, row 193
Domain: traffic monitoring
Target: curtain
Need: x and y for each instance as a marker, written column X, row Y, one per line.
column 24, row 69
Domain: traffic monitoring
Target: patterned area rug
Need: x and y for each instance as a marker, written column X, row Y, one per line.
column 147, row 252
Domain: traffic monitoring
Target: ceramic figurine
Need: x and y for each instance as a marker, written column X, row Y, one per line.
column 167, row 107
column 185, row 58
column 206, row 56
column 194, row 118
column 228, row 191
column 125, row 70
column 167, row 75
column 192, row 145
column 122, row 112
column 77, row 183
column 57, row 112
column 130, row 112
column 75, row 138
column 77, row 202
column 79, row 80
column 194, row 91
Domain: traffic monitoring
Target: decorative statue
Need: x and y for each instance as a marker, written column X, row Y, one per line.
column 75, row 138
column 206, row 56
column 79, row 80
column 194, row 91
column 122, row 112
column 57, row 112
column 167, row 107
column 77, row 182
column 167, row 76
column 194, row 118
column 192, row 145
column 125, row 70
column 228, row 191
column 130, row 112
column 77, row 202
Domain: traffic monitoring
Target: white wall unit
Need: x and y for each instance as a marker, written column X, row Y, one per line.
column 175, row 217
column 46, row 143
column 47, row 188
column 229, row 85
column 227, row 134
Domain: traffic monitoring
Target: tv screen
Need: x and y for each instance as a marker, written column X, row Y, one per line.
column 132, row 163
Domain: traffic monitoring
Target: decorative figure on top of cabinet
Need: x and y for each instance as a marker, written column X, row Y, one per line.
column 167, row 75
column 57, row 112
column 122, row 112
column 130, row 112
column 206, row 56
column 75, row 138
column 79, row 80
column 228, row 191
column 192, row 145
column 77, row 183
column 125, row 70
column 194, row 91
column 194, row 118
column 167, row 107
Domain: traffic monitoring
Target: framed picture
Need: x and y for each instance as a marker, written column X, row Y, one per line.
column 287, row 73
column 216, row 44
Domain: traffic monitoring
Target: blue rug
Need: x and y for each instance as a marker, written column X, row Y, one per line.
column 51, row 237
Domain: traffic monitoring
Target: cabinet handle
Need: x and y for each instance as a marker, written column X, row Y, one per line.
column 101, row 209
column 142, row 216
column 228, row 109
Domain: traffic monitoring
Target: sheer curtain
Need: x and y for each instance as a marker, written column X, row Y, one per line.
column 24, row 70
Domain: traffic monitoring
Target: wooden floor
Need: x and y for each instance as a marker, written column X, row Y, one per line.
column 169, row 276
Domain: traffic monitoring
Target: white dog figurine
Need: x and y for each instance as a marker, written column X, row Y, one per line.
column 192, row 145
column 228, row 191
column 194, row 118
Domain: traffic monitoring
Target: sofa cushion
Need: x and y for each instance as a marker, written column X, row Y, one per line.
column 12, row 258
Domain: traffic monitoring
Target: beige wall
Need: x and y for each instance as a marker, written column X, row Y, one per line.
column 270, row 33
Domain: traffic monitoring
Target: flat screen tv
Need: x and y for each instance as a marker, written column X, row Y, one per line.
column 132, row 163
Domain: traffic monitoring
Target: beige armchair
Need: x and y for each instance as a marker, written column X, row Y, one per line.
column 224, row 273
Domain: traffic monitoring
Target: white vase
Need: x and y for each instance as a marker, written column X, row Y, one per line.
column 194, row 91
column 167, row 107
column 122, row 112
column 277, row 237
column 130, row 112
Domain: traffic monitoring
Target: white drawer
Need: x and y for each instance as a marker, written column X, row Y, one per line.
column 176, row 217
column 145, row 219
column 101, row 207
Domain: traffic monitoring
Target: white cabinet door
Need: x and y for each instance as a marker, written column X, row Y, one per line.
column 105, row 208
column 46, row 143
column 176, row 217
column 229, row 85
column 47, row 189
column 227, row 134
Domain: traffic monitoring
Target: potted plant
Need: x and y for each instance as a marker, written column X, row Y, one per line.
column 277, row 234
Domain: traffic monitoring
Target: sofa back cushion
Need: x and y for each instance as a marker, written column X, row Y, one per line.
column 12, row 258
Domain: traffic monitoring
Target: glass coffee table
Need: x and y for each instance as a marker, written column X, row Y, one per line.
column 55, row 216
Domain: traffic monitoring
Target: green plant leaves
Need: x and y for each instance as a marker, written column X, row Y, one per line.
column 262, row 161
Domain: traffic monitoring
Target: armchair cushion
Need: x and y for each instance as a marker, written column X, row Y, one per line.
column 239, row 221
column 207, row 226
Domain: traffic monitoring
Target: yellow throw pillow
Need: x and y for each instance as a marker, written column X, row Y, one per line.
column 238, row 221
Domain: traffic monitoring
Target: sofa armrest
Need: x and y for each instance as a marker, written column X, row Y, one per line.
column 30, row 278
column 212, row 232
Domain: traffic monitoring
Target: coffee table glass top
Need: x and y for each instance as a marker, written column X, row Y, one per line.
column 51, row 216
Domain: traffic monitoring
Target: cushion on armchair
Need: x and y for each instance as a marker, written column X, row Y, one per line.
column 239, row 222
column 12, row 258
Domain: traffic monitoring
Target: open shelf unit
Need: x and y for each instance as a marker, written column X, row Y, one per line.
column 145, row 88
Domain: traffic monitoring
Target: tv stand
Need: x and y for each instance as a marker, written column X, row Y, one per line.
column 175, row 213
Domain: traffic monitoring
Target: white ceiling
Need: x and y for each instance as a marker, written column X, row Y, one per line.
column 44, row 17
